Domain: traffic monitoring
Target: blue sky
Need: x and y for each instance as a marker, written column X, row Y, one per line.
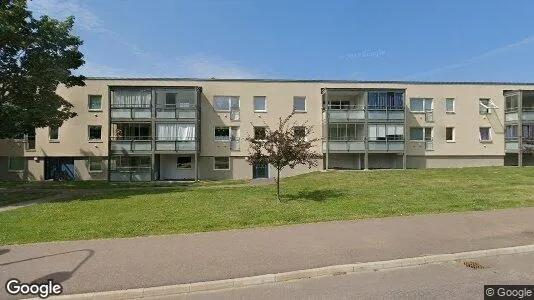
column 295, row 39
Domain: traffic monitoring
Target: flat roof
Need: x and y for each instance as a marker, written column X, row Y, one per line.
column 311, row 81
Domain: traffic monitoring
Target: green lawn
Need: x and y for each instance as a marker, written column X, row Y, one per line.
column 320, row 196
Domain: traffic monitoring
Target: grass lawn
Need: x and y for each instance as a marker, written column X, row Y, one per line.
column 319, row 196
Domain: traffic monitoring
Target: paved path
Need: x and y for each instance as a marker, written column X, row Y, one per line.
column 451, row 280
column 101, row 265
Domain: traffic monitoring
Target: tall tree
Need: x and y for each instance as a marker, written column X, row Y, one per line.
column 36, row 55
column 285, row 146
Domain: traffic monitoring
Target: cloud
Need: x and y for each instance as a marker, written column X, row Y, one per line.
column 203, row 65
column 472, row 60
column 85, row 18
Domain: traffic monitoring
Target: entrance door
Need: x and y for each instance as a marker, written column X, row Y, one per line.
column 260, row 171
column 59, row 168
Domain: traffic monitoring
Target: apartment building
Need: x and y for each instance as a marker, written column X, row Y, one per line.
column 144, row 129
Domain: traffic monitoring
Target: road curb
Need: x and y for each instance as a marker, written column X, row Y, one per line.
column 181, row 289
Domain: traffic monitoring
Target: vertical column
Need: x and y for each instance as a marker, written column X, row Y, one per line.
column 109, row 133
column 197, row 130
column 153, row 139
column 520, row 129
column 327, row 120
column 404, row 158
column 366, row 131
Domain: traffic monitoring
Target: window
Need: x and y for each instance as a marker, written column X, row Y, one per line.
column 449, row 134
column 95, row 132
column 421, row 133
column 385, row 99
column 260, row 103
column 449, row 105
column 299, row 104
column 221, row 163
column 175, row 132
column 511, row 131
column 259, row 133
column 226, row 103
column 299, row 132
column 170, row 100
column 131, row 98
column 339, row 104
column 95, row 102
column 16, row 163
column 420, row 104
column 53, row 133
column 184, row 162
column 222, row 133
column 485, row 134
column 95, row 164
column 511, row 104
column 384, row 132
column 484, row 105
column 343, row 132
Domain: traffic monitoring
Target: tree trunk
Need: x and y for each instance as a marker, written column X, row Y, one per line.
column 278, row 185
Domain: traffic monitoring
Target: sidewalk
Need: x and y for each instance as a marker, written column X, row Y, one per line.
column 102, row 265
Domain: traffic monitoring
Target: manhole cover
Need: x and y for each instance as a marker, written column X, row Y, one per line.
column 473, row 265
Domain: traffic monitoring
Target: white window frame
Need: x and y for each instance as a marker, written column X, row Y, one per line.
column 16, row 170
column 486, row 107
column 264, row 103
column 51, row 139
column 295, row 98
column 89, row 165
column 89, row 103
column 453, row 105
column 431, row 100
column 229, row 133
column 490, row 135
column 453, row 134
column 89, row 134
column 229, row 163
column 229, row 99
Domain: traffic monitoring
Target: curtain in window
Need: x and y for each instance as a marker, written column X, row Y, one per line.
column 372, row 100
column 175, row 132
column 511, row 131
column 398, row 101
column 132, row 98
column 528, row 131
column 382, row 100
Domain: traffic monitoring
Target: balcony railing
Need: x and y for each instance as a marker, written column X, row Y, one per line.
column 345, row 145
column 390, row 143
column 175, row 112
column 176, row 145
column 133, row 143
column 131, row 111
column 385, row 113
column 344, row 113
column 131, row 173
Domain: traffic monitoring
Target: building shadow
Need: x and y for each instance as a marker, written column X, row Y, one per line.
column 318, row 195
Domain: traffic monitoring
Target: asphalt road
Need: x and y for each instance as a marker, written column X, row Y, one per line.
column 451, row 280
column 105, row 265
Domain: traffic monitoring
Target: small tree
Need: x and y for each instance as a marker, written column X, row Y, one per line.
column 286, row 146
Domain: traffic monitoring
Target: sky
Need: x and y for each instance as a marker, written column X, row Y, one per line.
column 477, row 40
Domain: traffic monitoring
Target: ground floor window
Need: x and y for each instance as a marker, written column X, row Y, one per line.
column 16, row 164
column 134, row 163
column 221, row 163
column 449, row 134
column 95, row 164
column 184, row 162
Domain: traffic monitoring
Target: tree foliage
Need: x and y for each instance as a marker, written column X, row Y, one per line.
column 284, row 147
column 36, row 55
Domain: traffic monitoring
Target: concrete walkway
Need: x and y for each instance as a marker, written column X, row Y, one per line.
column 102, row 265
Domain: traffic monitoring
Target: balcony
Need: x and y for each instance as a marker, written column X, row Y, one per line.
column 511, row 144
column 127, row 111
column 395, row 144
column 173, row 112
column 131, row 174
column 176, row 145
column 131, row 144
column 345, row 146
column 386, row 114
column 346, row 115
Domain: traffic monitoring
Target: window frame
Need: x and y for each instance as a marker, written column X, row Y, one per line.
column 50, row 139
column 215, row 135
column 181, row 167
column 89, row 102
column 453, row 106
column 424, row 134
column 229, row 100
column 490, row 135
column 424, row 100
column 480, row 108
column 295, row 98
column 215, row 163
column 89, row 165
column 10, row 158
column 264, row 104
column 453, row 140
column 89, row 134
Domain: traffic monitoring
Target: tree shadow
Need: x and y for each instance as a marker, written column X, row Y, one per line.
column 318, row 195
column 4, row 251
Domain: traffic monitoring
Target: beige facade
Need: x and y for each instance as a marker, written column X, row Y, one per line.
column 474, row 137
